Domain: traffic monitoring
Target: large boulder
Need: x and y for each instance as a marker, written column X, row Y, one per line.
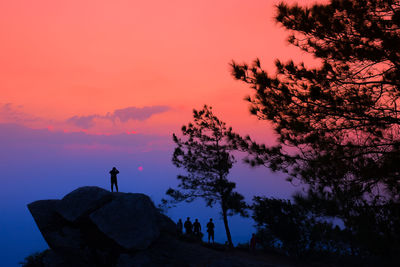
column 83, row 201
column 129, row 219
column 93, row 222
column 57, row 233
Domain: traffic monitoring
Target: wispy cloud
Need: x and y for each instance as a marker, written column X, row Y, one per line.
column 130, row 120
column 13, row 113
column 84, row 122
column 123, row 115
column 14, row 136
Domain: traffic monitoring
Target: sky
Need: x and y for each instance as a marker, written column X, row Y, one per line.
column 88, row 85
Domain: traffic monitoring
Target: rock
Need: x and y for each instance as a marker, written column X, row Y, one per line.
column 91, row 227
column 166, row 224
column 129, row 219
column 91, row 222
column 44, row 212
column 141, row 260
column 82, row 201
column 55, row 230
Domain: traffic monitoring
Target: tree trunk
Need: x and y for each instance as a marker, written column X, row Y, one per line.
column 228, row 232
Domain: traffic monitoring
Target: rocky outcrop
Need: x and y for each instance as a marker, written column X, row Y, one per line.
column 94, row 227
column 92, row 223
column 130, row 220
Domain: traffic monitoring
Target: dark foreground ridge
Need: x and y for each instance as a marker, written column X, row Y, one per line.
column 94, row 227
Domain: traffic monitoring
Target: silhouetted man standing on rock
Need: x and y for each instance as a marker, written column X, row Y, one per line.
column 188, row 226
column 114, row 173
column 210, row 230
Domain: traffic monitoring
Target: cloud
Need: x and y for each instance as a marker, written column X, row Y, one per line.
column 123, row 115
column 84, row 122
column 130, row 120
column 14, row 136
column 140, row 114
column 12, row 113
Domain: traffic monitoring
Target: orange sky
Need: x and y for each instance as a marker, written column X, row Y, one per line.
column 108, row 67
column 61, row 59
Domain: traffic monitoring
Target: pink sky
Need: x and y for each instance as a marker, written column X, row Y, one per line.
column 79, row 58
column 100, row 83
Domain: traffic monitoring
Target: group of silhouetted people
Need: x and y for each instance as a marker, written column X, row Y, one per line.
column 195, row 228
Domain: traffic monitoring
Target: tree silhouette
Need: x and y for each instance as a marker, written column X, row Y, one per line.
column 338, row 123
column 205, row 153
column 340, row 120
column 294, row 230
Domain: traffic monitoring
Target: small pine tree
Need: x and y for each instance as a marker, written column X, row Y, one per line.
column 206, row 155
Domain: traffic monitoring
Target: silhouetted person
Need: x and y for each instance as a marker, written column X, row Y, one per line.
column 196, row 228
column 188, row 226
column 210, row 230
column 179, row 227
column 114, row 173
column 253, row 242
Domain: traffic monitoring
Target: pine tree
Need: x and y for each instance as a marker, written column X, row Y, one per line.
column 337, row 124
column 205, row 153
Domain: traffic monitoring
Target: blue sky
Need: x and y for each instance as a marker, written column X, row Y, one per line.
column 43, row 164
